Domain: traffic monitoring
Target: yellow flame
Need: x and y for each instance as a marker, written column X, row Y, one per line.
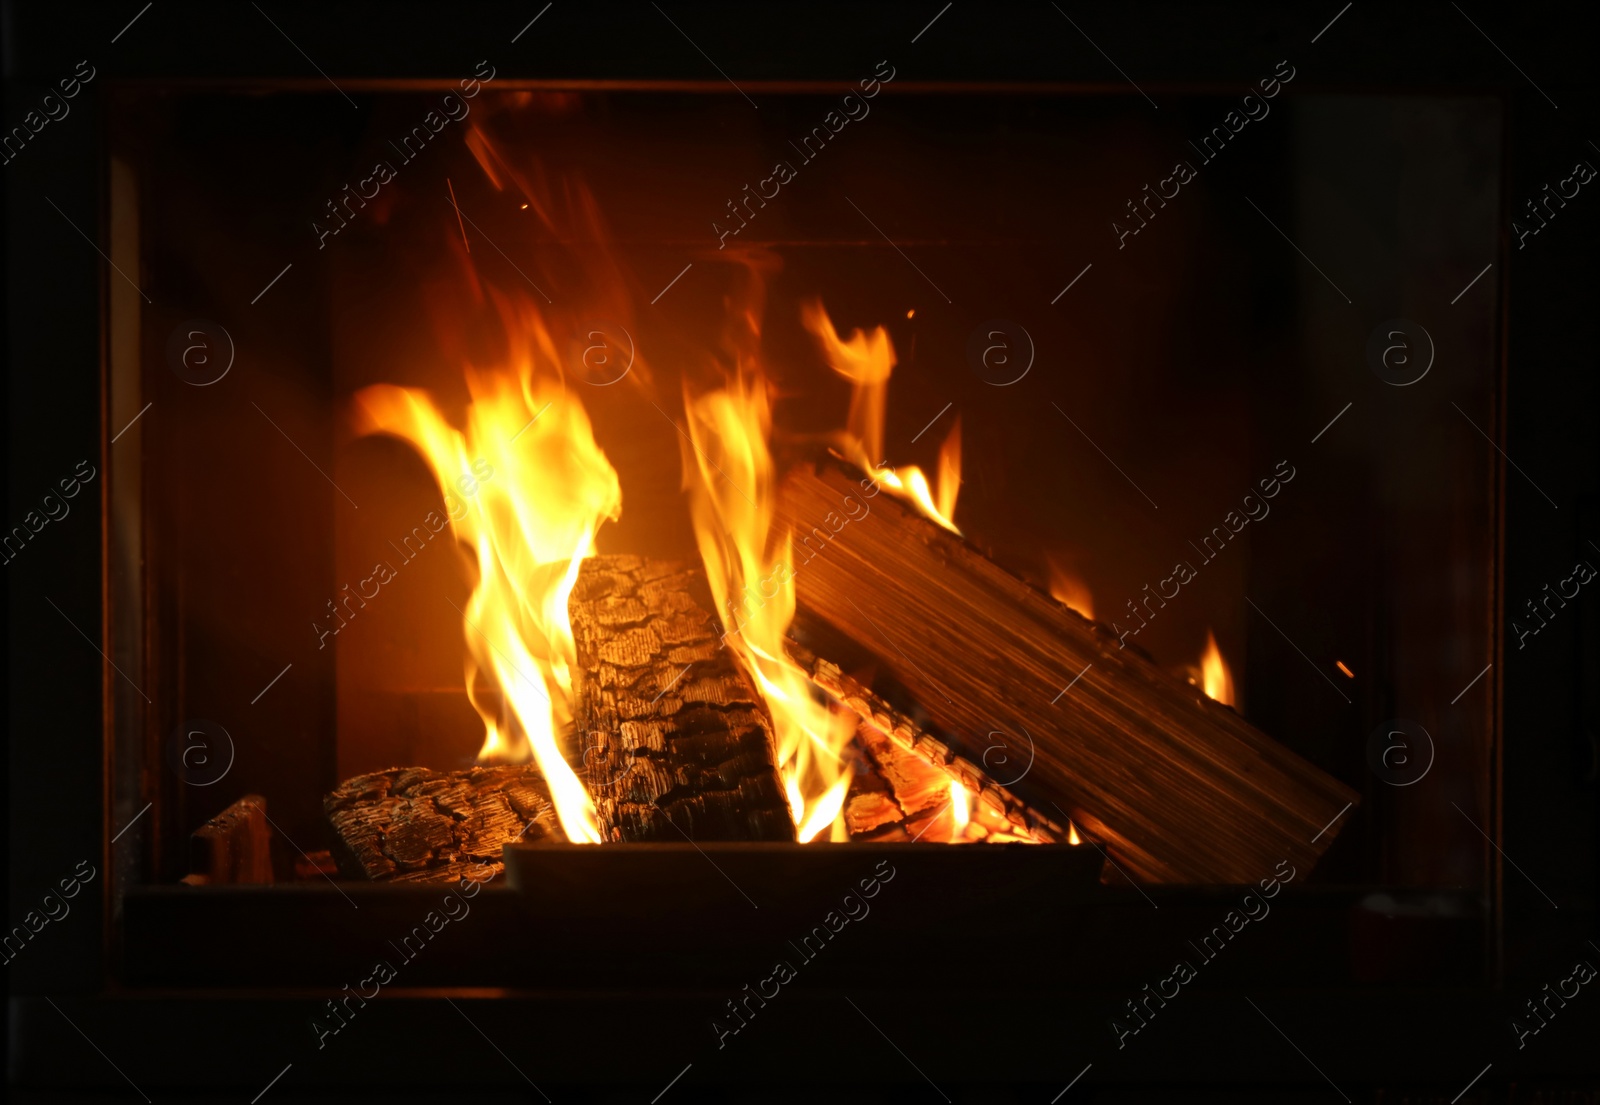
column 1071, row 591
column 1072, row 834
column 867, row 360
column 949, row 474
column 730, row 478
column 528, row 526
column 1215, row 678
column 797, row 800
column 825, row 812
column 960, row 810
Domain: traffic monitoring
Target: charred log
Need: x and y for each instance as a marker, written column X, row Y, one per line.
column 676, row 742
column 413, row 824
column 233, row 847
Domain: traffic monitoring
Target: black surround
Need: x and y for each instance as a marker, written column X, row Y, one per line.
column 191, row 999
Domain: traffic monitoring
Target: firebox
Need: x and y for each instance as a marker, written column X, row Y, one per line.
column 872, row 545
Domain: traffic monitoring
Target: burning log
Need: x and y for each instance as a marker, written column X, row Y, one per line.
column 676, row 741
column 898, row 795
column 676, row 744
column 1180, row 788
column 916, row 769
column 414, row 824
column 895, row 794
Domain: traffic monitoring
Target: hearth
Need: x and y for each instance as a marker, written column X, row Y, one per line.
column 651, row 570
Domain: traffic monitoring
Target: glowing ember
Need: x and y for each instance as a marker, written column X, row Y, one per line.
column 730, row 478
column 867, row 360
column 1070, row 591
column 1340, row 665
column 1215, row 679
column 529, row 529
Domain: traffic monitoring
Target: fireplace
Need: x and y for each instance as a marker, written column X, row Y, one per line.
column 841, row 555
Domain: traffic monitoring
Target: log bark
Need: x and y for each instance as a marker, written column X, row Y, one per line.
column 1178, row 787
column 414, row 824
column 676, row 742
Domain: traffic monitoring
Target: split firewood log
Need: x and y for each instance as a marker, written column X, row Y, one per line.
column 1178, row 787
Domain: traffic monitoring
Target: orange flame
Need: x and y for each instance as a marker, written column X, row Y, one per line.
column 867, row 360
column 529, row 527
column 1215, row 678
column 729, row 474
column 1071, row 591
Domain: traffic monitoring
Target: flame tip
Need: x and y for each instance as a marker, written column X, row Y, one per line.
column 1216, row 678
